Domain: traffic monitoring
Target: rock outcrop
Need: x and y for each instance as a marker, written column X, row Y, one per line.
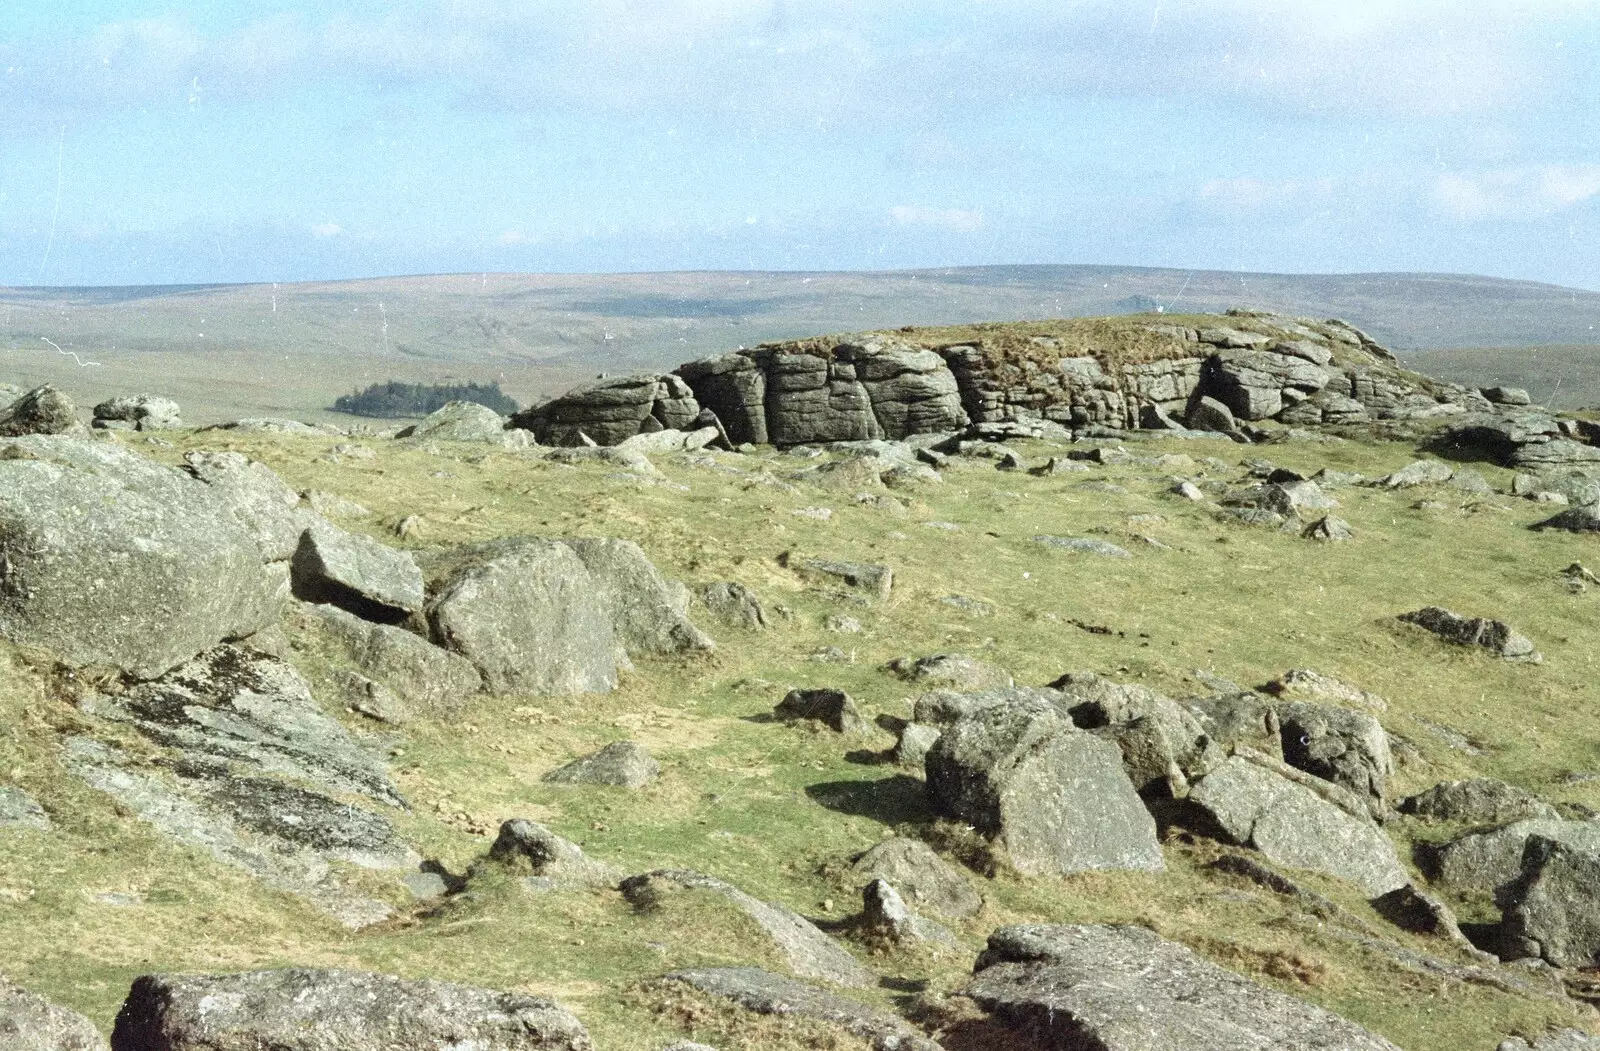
column 32, row 1023
column 43, row 410
column 315, row 1010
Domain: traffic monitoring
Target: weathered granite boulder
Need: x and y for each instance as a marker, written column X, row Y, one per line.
column 1491, row 859
column 735, row 388
column 762, row 992
column 1418, row 472
column 113, row 559
column 610, row 410
column 356, row 573
column 885, row 916
column 459, row 421
column 1238, row 719
column 732, row 603
column 256, row 498
column 556, row 862
column 1055, row 796
column 811, row 398
column 1292, row 824
column 1585, row 518
column 1478, row 801
column 527, row 613
column 32, row 1023
column 871, row 579
column 43, row 410
column 316, row 1010
column 18, row 810
column 1252, row 382
column 621, row 763
column 427, row 679
column 1129, row 989
column 804, row 948
column 1493, row 635
column 1553, row 910
column 1558, row 1040
column 1347, row 747
column 921, row 875
column 143, row 412
column 1307, row 684
column 951, row 671
column 649, row 614
column 911, row 390
column 1163, row 746
column 832, row 708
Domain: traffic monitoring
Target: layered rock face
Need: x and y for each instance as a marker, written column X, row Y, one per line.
column 1250, row 367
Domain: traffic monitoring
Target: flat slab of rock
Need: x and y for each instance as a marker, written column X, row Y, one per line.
column 927, row 881
column 1478, row 801
column 18, row 810
column 318, row 1010
column 1294, row 826
column 1493, row 635
column 772, row 994
column 1085, row 545
column 621, row 763
column 804, row 948
column 32, row 1023
column 526, row 613
column 1129, row 989
column 649, row 614
column 427, row 679
column 357, row 573
column 955, row 671
column 871, row 579
column 1419, row 472
column 1056, row 796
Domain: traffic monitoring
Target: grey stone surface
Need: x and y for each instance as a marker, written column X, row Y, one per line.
column 1129, row 989
column 427, row 679
column 460, row 421
column 237, row 706
column 1163, row 745
column 322, row 1010
column 526, row 612
column 1507, row 395
column 1237, row 718
column 770, row 994
column 113, row 559
column 955, row 671
column 611, row 410
column 1329, row 529
column 18, row 810
column 1056, row 796
column 1209, row 414
column 1558, row 1040
column 1347, row 747
column 921, row 875
column 1478, row 801
column 147, row 412
column 734, row 604
column 1558, row 452
column 1418, row 472
column 356, row 573
column 649, row 614
column 43, row 410
column 1083, row 545
column 1490, row 859
column 805, row 950
column 870, row 579
column 1585, row 518
column 556, row 862
column 832, row 708
column 31, row 1023
column 1307, row 684
column 621, row 763
column 1493, row 635
column 1554, row 907
column 1292, row 825
column 256, row 498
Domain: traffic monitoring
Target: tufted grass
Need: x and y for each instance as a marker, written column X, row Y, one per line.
column 776, row 809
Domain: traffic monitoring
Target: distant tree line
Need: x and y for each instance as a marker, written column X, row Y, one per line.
column 392, row 399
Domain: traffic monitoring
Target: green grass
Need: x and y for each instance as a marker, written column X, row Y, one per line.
column 776, row 809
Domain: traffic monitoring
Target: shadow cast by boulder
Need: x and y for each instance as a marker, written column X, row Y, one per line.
column 895, row 800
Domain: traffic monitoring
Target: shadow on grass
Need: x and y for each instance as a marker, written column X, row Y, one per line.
column 895, row 800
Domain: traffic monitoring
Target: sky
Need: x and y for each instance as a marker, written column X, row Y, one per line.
column 285, row 140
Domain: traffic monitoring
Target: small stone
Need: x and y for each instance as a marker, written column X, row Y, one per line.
column 1420, row 472
column 842, row 624
column 18, row 810
column 1189, row 491
column 833, row 708
column 621, row 763
column 1084, row 545
column 1329, row 529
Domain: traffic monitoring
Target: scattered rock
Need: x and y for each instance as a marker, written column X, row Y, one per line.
column 1238, row 718
column 1292, row 824
column 1209, row 414
column 356, row 573
column 460, row 421
column 913, row 744
column 1559, row 1040
column 315, row 1010
column 1128, row 989
column 18, row 810
column 1584, row 518
column 1163, row 746
column 771, row 994
column 885, row 915
column 1329, row 529
column 332, row 505
column 32, row 1023
column 805, row 949
column 556, row 862
column 1189, row 491
column 1346, row 747
column 1419, row 472
column 143, row 412
column 1492, row 635
column 1479, row 801
column 427, row 679
column 923, row 876
column 734, row 604
column 43, row 410
column 955, row 671
column 1489, row 860
column 622, row 763
column 1554, row 909
column 526, row 612
column 1506, row 395
column 1056, row 796
column 873, row 580
column 1085, row 545
column 832, row 708
column 1304, row 684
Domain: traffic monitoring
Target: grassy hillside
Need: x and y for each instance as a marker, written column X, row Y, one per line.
column 776, row 809
column 228, row 351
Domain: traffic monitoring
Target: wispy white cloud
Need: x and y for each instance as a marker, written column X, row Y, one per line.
column 1516, row 193
column 957, row 220
column 326, row 230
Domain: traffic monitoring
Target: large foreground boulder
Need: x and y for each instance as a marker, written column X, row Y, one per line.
column 43, row 410
column 649, row 614
column 1129, row 989
column 1056, row 796
column 427, row 679
column 115, row 560
column 316, row 1010
column 32, row 1023
column 526, row 612
column 1292, row 824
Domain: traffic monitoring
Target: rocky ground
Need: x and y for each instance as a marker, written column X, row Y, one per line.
column 1241, row 730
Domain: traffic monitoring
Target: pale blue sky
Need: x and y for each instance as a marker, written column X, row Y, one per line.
column 146, row 142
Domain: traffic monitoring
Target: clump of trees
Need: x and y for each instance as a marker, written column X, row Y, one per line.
column 394, row 399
